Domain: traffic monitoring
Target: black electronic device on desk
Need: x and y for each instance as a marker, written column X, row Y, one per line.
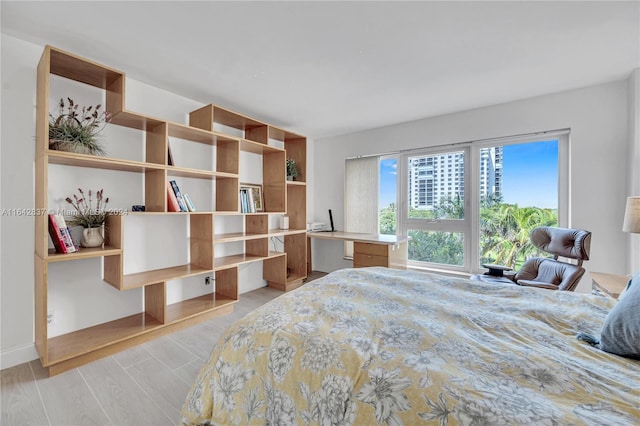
column 331, row 222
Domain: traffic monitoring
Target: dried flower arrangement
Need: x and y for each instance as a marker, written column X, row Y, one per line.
column 86, row 215
column 75, row 129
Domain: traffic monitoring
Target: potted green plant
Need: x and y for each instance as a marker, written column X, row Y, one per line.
column 292, row 169
column 75, row 129
column 91, row 219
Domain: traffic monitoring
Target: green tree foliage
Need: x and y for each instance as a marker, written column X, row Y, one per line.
column 388, row 220
column 437, row 247
column 504, row 231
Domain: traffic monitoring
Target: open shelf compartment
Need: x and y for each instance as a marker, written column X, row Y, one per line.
column 67, row 346
column 142, row 279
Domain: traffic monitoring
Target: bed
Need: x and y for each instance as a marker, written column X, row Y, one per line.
column 380, row 346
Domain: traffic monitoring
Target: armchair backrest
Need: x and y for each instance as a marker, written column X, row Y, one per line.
column 554, row 273
column 562, row 242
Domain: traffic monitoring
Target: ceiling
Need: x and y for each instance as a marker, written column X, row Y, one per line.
column 329, row 68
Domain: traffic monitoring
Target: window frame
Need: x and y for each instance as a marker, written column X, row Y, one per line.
column 470, row 225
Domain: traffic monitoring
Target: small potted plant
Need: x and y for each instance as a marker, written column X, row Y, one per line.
column 90, row 218
column 75, row 129
column 292, row 169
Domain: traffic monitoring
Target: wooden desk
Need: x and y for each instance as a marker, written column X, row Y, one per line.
column 370, row 249
column 609, row 284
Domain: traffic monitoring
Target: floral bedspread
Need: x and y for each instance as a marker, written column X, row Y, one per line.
column 380, row 346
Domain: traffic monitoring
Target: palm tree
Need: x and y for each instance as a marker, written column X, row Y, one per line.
column 505, row 232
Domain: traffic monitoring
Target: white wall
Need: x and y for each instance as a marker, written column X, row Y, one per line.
column 597, row 117
column 76, row 292
column 633, row 257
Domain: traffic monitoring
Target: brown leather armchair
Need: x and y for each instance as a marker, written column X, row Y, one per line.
column 550, row 273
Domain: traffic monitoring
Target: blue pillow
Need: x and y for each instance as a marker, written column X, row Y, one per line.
column 620, row 333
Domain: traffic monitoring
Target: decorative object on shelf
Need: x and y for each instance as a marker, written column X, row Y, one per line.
column 178, row 194
column 90, row 218
column 61, row 234
column 137, row 208
column 187, row 201
column 292, row 169
column 75, row 130
column 169, row 155
column 92, row 237
column 284, row 222
column 251, row 198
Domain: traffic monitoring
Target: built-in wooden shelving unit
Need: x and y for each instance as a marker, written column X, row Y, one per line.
column 284, row 270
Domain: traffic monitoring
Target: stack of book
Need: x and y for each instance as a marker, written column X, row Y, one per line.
column 60, row 234
column 176, row 200
column 247, row 203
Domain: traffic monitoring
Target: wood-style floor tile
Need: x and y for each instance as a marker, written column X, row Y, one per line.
column 21, row 403
column 164, row 387
column 68, row 399
column 124, row 401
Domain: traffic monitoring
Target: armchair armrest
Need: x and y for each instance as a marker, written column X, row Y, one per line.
column 539, row 284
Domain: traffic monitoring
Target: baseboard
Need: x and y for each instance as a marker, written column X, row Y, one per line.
column 18, row 355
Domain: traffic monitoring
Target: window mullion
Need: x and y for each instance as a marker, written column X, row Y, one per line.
column 472, row 206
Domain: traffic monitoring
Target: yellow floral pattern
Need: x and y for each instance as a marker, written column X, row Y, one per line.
column 381, row 346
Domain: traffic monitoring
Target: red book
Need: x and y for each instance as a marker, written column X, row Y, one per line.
column 56, row 235
column 172, row 201
column 65, row 232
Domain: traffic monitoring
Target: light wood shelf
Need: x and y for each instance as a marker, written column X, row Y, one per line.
column 135, row 121
column 83, row 160
column 83, row 253
column 283, row 232
column 230, row 133
column 257, row 148
column 196, row 306
column 195, row 134
column 142, row 279
column 237, row 236
column 84, row 341
column 199, row 174
column 235, row 260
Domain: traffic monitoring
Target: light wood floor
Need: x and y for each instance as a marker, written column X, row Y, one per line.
column 144, row 385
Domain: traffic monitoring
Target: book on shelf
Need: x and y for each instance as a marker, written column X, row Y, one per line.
column 244, row 203
column 172, row 201
column 169, row 155
column 56, row 235
column 188, row 202
column 176, row 191
column 252, row 203
column 66, row 233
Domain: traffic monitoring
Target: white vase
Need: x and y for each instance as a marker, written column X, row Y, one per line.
column 92, row 237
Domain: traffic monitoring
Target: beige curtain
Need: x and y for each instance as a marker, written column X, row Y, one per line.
column 361, row 197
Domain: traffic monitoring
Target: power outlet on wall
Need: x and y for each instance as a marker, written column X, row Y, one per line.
column 51, row 318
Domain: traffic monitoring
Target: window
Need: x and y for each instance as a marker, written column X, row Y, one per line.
column 388, row 195
column 519, row 191
column 475, row 204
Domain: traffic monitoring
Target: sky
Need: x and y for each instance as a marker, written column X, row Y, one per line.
column 529, row 177
column 388, row 177
column 530, row 174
